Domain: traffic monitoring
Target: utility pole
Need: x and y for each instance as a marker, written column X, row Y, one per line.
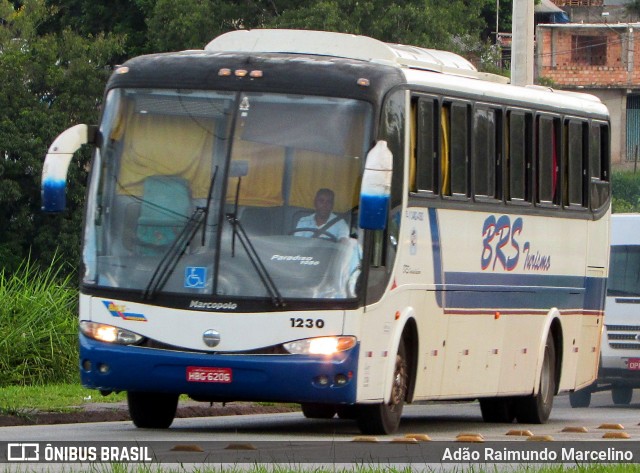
column 522, row 42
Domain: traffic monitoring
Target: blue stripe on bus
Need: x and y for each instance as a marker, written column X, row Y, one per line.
column 520, row 291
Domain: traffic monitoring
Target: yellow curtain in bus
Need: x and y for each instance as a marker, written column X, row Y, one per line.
column 313, row 171
column 262, row 186
column 167, row 146
column 444, row 151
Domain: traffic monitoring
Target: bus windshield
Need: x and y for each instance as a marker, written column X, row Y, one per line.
column 227, row 194
column 624, row 271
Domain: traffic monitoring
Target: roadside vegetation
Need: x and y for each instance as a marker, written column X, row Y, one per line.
column 269, row 468
column 38, row 324
column 625, row 191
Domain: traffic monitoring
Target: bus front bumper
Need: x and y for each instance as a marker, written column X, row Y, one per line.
column 220, row 377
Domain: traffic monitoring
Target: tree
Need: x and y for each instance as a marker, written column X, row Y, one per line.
column 49, row 83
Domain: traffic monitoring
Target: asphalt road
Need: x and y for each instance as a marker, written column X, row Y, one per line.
column 290, row 436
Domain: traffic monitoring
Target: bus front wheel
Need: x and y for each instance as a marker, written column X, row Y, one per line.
column 152, row 410
column 535, row 409
column 384, row 419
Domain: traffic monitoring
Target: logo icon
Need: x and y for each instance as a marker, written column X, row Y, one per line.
column 23, row 452
column 195, row 277
column 121, row 311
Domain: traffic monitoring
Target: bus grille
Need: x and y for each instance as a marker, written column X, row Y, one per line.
column 623, row 337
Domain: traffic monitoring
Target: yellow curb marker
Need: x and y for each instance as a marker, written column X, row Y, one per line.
column 612, row 427
column 187, row 448
column 474, row 438
column 419, row 437
column 576, row 430
column 616, row 435
column 404, row 440
column 520, row 433
column 541, row 438
column 240, row 446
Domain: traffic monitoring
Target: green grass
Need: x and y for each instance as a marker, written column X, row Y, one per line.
column 38, row 323
column 23, row 400
column 269, row 468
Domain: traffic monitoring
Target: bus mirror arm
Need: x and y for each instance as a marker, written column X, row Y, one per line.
column 56, row 165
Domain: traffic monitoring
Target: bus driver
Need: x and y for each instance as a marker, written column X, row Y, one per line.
column 323, row 222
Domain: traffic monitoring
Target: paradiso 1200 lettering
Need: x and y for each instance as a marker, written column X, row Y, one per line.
column 500, row 246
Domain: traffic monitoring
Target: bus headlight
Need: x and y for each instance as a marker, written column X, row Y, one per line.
column 320, row 345
column 109, row 333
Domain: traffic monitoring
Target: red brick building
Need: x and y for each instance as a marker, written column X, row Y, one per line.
column 601, row 59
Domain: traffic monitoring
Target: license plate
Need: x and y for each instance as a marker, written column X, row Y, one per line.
column 634, row 364
column 200, row 374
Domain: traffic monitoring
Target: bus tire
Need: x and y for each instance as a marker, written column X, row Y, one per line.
column 152, row 410
column 384, row 419
column 536, row 408
column 621, row 395
column 497, row 409
column 580, row 398
column 318, row 411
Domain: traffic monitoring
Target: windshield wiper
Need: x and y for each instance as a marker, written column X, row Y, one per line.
column 254, row 257
column 170, row 259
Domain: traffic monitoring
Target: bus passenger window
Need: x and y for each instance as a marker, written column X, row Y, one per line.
column 427, row 145
column 576, row 171
column 599, row 165
column 459, row 149
column 518, row 161
column 548, row 162
column 485, row 154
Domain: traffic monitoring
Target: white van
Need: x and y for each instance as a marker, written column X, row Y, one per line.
column 620, row 347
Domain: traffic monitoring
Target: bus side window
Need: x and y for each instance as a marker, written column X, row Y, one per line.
column 426, row 145
column 518, row 157
column 486, row 153
column 575, row 166
column 548, row 160
column 459, row 158
column 599, row 165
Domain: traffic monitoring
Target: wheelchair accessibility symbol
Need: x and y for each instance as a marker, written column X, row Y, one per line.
column 195, row 277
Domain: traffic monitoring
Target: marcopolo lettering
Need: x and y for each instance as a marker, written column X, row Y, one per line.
column 195, row 304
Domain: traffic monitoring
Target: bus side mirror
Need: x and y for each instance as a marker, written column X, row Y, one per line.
column 56, row 165
column 376, row 187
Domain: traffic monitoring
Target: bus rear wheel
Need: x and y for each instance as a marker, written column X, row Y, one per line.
column 384, row 419
column 152, row 410
column 535, row 409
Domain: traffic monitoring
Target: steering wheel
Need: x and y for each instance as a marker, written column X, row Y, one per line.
column 316, row 233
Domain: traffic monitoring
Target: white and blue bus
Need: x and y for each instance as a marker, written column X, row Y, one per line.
column 463, row 254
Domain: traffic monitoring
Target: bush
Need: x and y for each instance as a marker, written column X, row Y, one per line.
column 625, row 189
column 38, row 324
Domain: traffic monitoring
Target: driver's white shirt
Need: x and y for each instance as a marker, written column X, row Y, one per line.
column 339, row 229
